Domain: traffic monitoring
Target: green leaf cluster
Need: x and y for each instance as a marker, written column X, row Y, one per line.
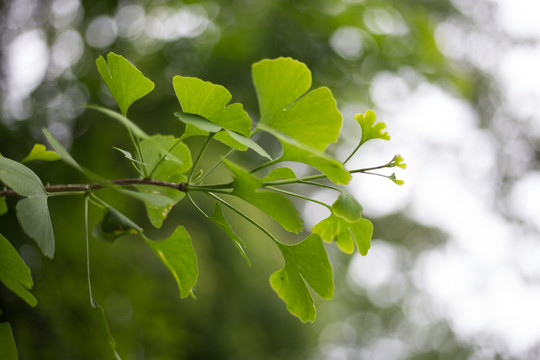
column 304, row 121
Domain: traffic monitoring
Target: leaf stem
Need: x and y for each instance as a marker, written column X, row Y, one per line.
column 266, row 164
column 299, row 196
column 217, row 165
column 163, row 157
column 266, row 232
column 196, row 206
column 354, row 152
column 199, row 156
column 86, row 198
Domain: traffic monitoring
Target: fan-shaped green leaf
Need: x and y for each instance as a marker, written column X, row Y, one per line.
column 99, row 316
column 167, row 157
column 347, row 207
column 370, row 130
column 199, row 122
column 39, row 152
column 177, row 253
column 247, row 187
column 249, row 143
column 114, row 225
column 282, row 173
column 210, row 101
column 33, row 214
column 345, row 233
column 293, row 151
column 218, row 218
column 125, row 82
column 14, row 273
column 306, row 262
column 312, row 119
column 156, row 213
column 7, row 343
column 20, row 178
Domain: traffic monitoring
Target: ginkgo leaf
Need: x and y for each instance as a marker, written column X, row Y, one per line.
column 282, row 173
column 370, row 130
column 167, row 157
column 129, row 156
column 248, row 187
column 311, row 118
column 125, row 82
column 101, row 319
column 347, row 207
column 306, row 262
column 345, row 233
column 199, row 122
column 20, row 178
column 14, row 273
column 32, row 211
column 39, row 152
column 7, row 343
column 157, row 213
column 177, row 253
column 244, row 140
column 114, row 225
column 395, row 180
column 210, row 101
column 293, row 151
column 219, row 219
column 34, row 217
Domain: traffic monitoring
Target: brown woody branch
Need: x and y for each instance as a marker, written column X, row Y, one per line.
column 86, row 187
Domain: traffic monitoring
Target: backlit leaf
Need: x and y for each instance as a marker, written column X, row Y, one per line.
column 33, row 215
column 7, row 343
column 370, row 130
column 14, row 273
column 306, row 262
column 177, row 253
column 167, row 157
column 249, row 143
column 247, row 187
column 282, row 173
column 218, row 218
column 210, row 101
column 114, row 225
column 199, row 122
column 156, row 213
column 125, row 82
column 347, row 207
column 293, row 151
column 129, row 156
column 310, row 118
column 345, row 233
column 39, row 152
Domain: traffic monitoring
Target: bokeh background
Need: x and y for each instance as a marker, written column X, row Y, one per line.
column 454, row 269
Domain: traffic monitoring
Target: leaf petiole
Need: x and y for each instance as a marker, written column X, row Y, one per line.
column 199, row 156
column 266, row 232
column 285, row 192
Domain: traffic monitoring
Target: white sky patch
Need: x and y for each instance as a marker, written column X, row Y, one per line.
column 524, row 199
column 519, row 17
column 480, row 281
column 520, row 76
column 27, row 61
